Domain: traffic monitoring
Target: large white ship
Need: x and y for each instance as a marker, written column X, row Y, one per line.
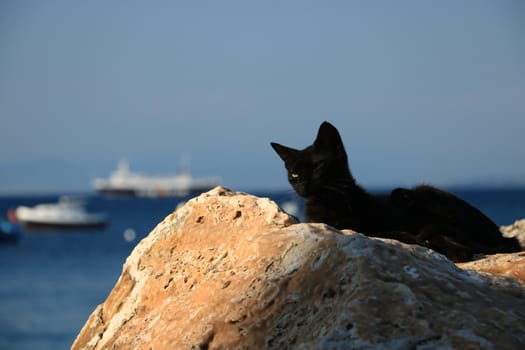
column 124, row 183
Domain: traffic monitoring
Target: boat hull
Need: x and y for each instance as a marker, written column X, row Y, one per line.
column 9, row 238
column 58, row 226
column 117, row 193
column 9, row 233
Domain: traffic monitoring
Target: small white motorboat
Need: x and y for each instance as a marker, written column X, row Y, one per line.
column 68, row 213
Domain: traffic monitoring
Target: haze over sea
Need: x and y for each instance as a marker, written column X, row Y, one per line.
column 420, row 91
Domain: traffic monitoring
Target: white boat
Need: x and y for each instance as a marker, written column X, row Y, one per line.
column 124, row 183
column 69, row 212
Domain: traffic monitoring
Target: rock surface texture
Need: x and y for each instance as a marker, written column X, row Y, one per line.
column 511, row 265
column 517, row 230
column 233, row 271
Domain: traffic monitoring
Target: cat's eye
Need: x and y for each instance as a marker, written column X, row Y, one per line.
column 294, row 175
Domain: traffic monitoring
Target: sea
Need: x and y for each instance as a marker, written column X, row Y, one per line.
column 51, row 281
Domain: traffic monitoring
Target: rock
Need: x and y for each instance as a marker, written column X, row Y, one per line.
column 517, row 230
column 233, row 271
column 511, row 265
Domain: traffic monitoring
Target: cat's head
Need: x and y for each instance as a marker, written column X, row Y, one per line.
column 318, row 166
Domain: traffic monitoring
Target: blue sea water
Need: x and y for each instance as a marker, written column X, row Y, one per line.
column 51, row 281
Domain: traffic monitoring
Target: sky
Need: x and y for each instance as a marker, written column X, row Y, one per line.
column 421, row 91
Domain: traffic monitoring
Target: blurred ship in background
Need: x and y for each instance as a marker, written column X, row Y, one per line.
column 124, row 183
column 68, row 213
column 9, row 231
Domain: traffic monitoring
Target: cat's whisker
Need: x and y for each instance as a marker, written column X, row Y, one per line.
column 340, row 185
column 334, row 189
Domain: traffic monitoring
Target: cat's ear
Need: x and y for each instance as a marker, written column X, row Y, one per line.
column 286, row 153
column 328, row 138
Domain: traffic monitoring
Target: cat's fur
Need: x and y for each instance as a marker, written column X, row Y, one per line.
column 423, row 215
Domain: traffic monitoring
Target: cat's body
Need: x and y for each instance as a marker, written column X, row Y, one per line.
column 356, row 209
column 457, row 219
column 423, row 215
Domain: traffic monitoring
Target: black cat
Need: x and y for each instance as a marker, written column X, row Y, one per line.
column 423, row 215
column 445, row 214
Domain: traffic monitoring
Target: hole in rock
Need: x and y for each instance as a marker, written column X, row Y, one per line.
column 330, row 293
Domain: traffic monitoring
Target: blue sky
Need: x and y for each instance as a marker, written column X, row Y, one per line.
column 421, row 91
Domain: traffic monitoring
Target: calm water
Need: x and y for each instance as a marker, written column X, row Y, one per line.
column 51, row 281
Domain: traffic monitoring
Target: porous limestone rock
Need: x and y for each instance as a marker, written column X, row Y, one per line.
column 232, row 271
column 517, row 230
column 511, row 265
